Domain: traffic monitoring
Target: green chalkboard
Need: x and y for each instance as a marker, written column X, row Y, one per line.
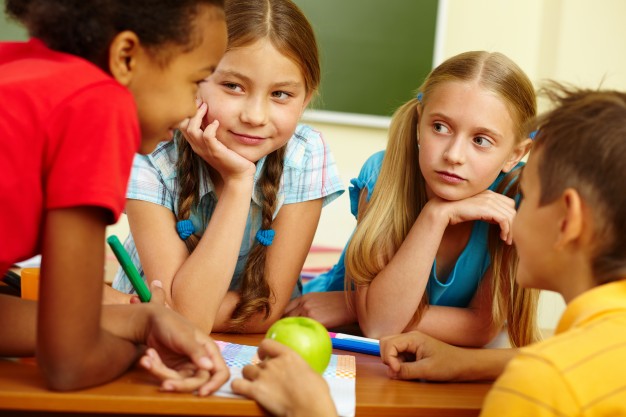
column 9, row 29
column 374, row 53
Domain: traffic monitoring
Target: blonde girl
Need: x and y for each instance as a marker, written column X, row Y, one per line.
column 431, row 250
column 432, row 200
column 239, row 194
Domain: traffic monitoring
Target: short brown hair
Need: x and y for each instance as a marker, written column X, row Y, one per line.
column 583, row 146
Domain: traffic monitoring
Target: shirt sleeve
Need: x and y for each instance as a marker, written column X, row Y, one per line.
column 310, row 169
column 367, row 179
column 530, row 386
column 92, row 139
column 147, row 182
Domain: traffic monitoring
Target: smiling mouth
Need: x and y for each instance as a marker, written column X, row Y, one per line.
column 248, row 139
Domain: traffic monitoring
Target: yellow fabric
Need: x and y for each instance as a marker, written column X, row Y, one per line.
column 581, row 371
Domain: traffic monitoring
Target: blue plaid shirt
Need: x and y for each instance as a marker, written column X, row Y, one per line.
column 310, row 172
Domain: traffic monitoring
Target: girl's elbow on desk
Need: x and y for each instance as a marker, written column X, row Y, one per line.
column 373, row 329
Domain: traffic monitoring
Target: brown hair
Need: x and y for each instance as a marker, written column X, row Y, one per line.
column 583, row 146
column 284, row 25
column 400, row 193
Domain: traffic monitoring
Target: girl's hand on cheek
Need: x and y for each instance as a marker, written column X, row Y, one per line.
column 204, row 142
column 487, row 206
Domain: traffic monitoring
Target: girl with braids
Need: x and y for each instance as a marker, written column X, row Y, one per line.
column 423, row 256
column 225, row 215
column 79, row 103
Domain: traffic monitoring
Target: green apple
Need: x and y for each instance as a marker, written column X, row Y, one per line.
column 306, row 336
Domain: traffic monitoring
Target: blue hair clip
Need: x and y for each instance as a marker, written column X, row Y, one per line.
column 265, row 236
column 185, row 228
column 419, row 96
column 532, row 134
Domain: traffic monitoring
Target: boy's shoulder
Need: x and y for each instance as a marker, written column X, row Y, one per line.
column 591, row 322
column 588, row 355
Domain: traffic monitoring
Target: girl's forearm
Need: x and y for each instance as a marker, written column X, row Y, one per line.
column 73, row 365
column 127, row 321
column 70, row 363
column 283, row 262
column 256, row 324
column 18, row 323
column 69, row 366
column 458, row 326
column 200, row 285
column 394, row 295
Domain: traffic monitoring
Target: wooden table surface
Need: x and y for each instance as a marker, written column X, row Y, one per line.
column 23, row 393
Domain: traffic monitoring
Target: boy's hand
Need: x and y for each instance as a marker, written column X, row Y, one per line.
column 415, row 355
column 277, row 383
column 180, row 355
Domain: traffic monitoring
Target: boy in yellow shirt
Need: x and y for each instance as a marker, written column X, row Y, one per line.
column 570, row 232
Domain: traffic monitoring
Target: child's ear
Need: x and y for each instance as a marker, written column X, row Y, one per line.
column 123, row 54
column 572, row 221
column 517, row 154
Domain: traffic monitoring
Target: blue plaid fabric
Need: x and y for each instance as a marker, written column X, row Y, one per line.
column 310, row 173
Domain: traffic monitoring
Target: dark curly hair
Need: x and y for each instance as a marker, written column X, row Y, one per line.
column 86, row 28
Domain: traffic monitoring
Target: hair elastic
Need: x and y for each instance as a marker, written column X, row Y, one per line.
column 532, row 134
column 419, row 96
column 185, row 228
column 265, row 236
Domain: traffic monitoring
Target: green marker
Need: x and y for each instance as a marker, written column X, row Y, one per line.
column 131, row 272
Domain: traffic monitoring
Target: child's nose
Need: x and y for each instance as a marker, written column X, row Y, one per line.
column 455, row 152
column 255, row 112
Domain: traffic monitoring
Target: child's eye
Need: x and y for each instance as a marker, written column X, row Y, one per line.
column 440, row 128
column 483, row 142
column 281, row 95
column 233, row 86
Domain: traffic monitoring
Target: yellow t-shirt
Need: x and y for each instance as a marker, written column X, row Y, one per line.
column 581, row 371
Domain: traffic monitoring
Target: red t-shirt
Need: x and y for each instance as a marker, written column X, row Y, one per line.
column 68, row 135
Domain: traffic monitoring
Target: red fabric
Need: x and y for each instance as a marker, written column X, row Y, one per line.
column 68, row 135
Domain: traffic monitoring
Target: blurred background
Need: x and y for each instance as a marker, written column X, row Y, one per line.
column 376, row 53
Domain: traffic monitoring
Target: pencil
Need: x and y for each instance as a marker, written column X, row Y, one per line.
column 131, row 272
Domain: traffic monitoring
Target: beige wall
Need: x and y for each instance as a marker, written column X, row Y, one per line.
column 577, row 41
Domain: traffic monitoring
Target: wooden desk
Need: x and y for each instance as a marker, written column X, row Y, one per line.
column 23, row 393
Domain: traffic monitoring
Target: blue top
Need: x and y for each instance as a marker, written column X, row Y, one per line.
column 309, row 173
column 459, row 287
